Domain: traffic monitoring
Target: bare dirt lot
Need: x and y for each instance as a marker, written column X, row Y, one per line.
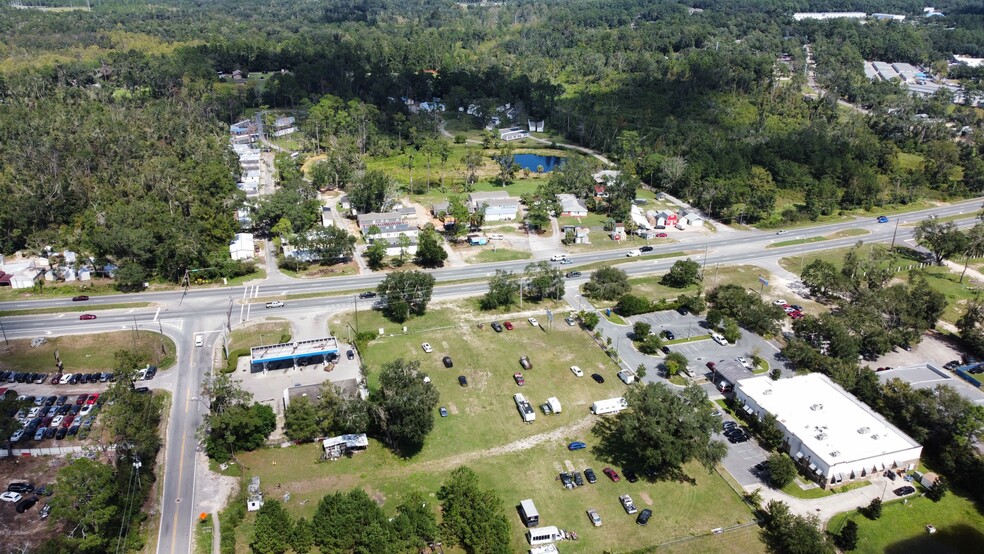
column 26, row 530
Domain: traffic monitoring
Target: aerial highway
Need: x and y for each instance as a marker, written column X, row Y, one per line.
column 181, row 314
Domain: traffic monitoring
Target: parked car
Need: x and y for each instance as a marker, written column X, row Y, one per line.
column 350, row 354
column 92, row 399
column 61, row 400
column 45, row 511
column 710, row 365
column 508, row 325
column 57, row 421
column 496, row 326
column 81, row 399
column 21, row 487
column 462, row 380
column 744, row 362
column 668, row 334
column 594, row 517
column 630, row 475
column 75, row 379
column 567, row 480
column 589, row 474
column 533, row 321
column 611, row 474
column 577, row 371
column 644, row 516
column 598, row 378
column 80, row 298
column 447, row 362
column 66, row 378
column 26, row 504
column 10, row 497
column 570, row 321
column 578, row 480
column 627, row 504
column 525, row 362
column 572, row 274
column 576, row 445
column 61, row 433
column 86, row 317
column 444, row 411
column 427, row 347
column 519, row 379
column 902, row 491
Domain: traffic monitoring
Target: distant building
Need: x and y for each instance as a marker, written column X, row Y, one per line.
column 535, row 126
column 606, row 176
column 968, row 61
column 887, row 17
column 242, row 247
column 832, row 435
column 513, row 133
column 283, row 126
column 829, row 15
column 344, row 445
column 572, row 206
column 327, row 217
column 499, row 206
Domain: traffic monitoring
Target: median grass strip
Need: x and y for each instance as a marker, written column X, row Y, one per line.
column 94, row 352
column 686, row 340
column 501, row 255
column 74, row 308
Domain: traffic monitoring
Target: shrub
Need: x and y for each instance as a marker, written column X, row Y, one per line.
column 630, row 304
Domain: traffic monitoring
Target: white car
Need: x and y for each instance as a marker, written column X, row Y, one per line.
column 427, row 347
column 741, row 360
column 34, row 412
column 782, row 232
column 57, row 421
column 11, row 497
column 779, row 302
column 577, row 371
column 275, row 304
column 533, row 321
column 65, row 379
column 719, row 339
column 558, row 257
column 632, row 253
column 86, row 410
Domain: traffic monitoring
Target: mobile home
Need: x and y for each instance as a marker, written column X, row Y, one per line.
column 609, row 406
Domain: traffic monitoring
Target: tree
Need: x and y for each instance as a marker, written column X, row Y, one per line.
column 9, row 406
column 473, row 516
column 404, row 242
column 630, row 305
column 350, row 522
column 301, row 420
column 503, row 288
column 608, row 283
column 86, row 501
column 590, row 320
column 329, row 244
column 847, row 539
column 782, row 470
column 132, row 419
column 731, row 332
column 338, row 413
column 682, row 274
column 542, row 280
column 371, row 192
column 403, row 406
column 375, row 255
column 873, row 510
column 822, row 278
column 662, row 431
column 971, row 327
column 675, row 362
column 943, row 240
column 537, row 211
column 746, row 308
column 240, row 428
column 786, row 532
column 130, row 276
column 272, row 532
column 640, row 330
column 430, row 253
column 641, row 371
column 415, row 521
column 472, row 160
column 938, row 490
column 973, row 246
column 407, row 294
column 459, row 213
column 650, row 344
column 769, row 431
column 302, row 536
column 507, row 164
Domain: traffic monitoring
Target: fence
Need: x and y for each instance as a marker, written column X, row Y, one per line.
column 59, row 450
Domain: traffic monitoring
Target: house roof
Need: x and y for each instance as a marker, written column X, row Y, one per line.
column 401, row 214
column 476, row 197
column 571, row 203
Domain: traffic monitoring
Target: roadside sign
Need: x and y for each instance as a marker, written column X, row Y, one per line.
column 763, row 281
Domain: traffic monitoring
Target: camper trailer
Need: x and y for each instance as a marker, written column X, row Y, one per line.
column 525, row 409
column 609, row 406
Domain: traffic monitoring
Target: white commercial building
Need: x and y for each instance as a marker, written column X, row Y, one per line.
column 832, row 434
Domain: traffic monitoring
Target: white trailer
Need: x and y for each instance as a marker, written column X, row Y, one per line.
column 554, row 404
column 609, row 406
column 543, row 535
column 524, row 407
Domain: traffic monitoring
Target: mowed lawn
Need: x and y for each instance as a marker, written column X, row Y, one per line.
column 902, row 527
column 484, row 431
column 93, row 352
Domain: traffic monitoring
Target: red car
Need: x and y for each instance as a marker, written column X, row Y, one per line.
column 56, row 379
column 92, row 399
column 81, row 399
column 611, row 474
column 661, row 235
column 84, row 317
column 710, row 365
column 82, row 298
column 507, row 325
column 519, row 379
column 67, row 422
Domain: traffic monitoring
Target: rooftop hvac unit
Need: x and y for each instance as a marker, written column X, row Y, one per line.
column 875, row 436
column 816, row 407
column 821, row 436
column 864, row 430
column 767, row 391
column 835, row 454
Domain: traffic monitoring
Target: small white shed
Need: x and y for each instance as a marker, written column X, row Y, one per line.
column 554, row 404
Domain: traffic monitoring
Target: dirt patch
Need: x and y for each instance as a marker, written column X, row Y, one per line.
column 933, row 348
column 645, row 499
column 28, row 530
column 569, row 465
column 452, row 409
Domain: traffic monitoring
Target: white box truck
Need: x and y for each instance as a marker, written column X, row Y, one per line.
column 609, row 406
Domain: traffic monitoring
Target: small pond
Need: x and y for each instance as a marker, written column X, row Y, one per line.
column 531, row 161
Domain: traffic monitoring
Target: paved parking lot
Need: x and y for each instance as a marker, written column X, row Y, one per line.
column 269, row 388
column 924, row 377
column 741, row 458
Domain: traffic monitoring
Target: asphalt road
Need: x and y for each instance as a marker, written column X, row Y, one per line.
column 182, row 314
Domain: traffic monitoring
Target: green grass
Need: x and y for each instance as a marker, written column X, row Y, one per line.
column 910, row 161
column 260, row 273
column 745, row 540
column 75, row 308
column 794, row 490
column 609, row 263
column 203, row 535
column 501, row 255
column 595, row 221
column 617, row 319
column 902, row 526
column 600, row 240
column 255, row 335
column 318, row 271
column 694, row 338
column 794, row 242
column 92, row 352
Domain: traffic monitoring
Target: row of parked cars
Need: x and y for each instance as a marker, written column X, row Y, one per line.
column 24, row 495
column 56, row 417
column 56, row 378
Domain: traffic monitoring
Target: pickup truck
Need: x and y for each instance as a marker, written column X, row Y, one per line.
column 626, row 501
column 275, row 304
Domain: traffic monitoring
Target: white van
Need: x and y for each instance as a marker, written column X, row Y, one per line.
column 199, row 340
column 496, row 236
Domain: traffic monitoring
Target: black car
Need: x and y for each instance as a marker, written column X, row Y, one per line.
column 367, row 294
column 902, row 491
column 738, row 439
column 61, row 400
column 103, row 377
column 350, row 355
column 646, row 249
column 73, row 430
column 62, row 431
column 75, row 409
column 598, row 378
column 26, row 504
column 462, row 380
column 951, row 365
column 50, row 401
column 45, row 490
column 630, row 475
column 151, row 372
column 683, row 311
column 447, row 362
column 643, row 517
column 50, row 433
column 573, row 274
column 566, row 480
column 578, row 480
column 21, row 377
column 589, row 474
column 139, row 390
column 664, row 349
column 668, row 334
column 496, row 326
column 75, row 379
column 20, row 487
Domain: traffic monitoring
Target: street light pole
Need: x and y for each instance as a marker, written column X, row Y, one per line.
column 4, row 331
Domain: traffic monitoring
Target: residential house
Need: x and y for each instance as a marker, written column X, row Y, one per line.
column 244, row 218
column 242, row 247
column 244, row 127
column 284, row 126
column 21, row 275
column 571, row 205
column 327, row 217
column 250, row 161
column 663, row 218
column 438, row 208
column 606, row 176
column 343, row 202
column 618, row 232
column 499, row 206
column 434, row 106
column 639, row 218
column 393, row 245
column 513, row 133
column 397, row 216
column 336, row 447
column 580, row 233
column 692, row 218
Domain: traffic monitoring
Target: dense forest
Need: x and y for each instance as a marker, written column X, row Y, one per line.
column 112, row 119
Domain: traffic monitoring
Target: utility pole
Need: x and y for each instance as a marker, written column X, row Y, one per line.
column 355, row 300
column 4, row 331
column 894, row 233
column 134, row 333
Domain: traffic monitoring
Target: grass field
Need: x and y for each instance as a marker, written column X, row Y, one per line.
column 484, row 432
column 270, row 332
column 87, row 352
column 501, row 255
column 902, row 526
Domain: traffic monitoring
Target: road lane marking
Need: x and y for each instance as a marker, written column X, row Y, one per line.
column 174, row 523
column 157, row 313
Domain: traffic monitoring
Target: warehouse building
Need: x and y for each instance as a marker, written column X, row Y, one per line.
column 834, row 436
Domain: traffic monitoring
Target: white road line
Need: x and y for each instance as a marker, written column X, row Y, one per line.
column 157, row 313
column 242, row 311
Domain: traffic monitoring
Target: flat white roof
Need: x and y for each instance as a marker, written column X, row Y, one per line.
column 826, row 418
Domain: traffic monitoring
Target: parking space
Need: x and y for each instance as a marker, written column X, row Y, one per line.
column 925, row 376
column 742, row 458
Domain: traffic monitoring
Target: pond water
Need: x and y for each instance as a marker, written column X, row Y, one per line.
column 531, row 161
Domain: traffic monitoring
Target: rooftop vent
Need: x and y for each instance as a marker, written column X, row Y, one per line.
column 835, row 453
column 816, row 407
column 875, row 436
column 864, row 430
column 821, row 436
column 767, row 391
